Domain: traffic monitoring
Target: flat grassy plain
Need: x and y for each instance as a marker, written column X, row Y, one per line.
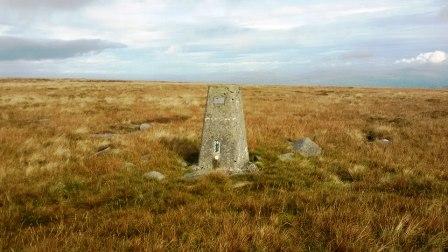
column 72, row 165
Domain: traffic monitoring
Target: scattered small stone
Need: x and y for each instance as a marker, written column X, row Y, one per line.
column 286, row 157
column 241, row 184
column 384, row 141
column 155, row 175
column 306, row 147
column 144, row 126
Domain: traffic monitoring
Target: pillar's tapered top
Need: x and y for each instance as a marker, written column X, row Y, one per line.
column 224, row 144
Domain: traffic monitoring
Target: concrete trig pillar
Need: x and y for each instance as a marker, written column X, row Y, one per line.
column 224, row 144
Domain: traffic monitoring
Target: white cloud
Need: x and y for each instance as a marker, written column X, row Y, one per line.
column 56, row 4
column 173, row 50
column 90, row 64
column 286, row 17
column 249, row 66
column 3, row 29
column 336, row 10
column 269, row 24
column 444, row 12
column 436, row 57
column 16, row 48
column 190, row 38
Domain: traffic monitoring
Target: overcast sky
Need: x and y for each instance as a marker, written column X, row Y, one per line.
column 346, row 42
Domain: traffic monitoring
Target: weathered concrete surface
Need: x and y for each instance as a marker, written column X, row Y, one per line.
column 224, row 144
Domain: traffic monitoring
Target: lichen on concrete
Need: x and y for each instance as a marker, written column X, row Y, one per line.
column 224, row 144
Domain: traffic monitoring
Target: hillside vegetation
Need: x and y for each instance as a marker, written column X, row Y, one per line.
column 73, row 159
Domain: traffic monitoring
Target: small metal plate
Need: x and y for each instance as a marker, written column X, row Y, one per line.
column 217, row 147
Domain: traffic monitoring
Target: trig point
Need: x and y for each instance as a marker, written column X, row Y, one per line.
column 224, row 144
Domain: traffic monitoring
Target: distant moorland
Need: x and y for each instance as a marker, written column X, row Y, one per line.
column 73, row 159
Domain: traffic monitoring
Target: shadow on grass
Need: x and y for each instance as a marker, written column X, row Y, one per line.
column 184, row 147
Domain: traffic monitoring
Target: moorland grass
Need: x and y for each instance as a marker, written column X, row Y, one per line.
column 59, row 193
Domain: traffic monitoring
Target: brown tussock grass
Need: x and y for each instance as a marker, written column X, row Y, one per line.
column 65, row 185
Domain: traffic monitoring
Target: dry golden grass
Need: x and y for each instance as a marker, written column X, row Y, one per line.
column 56, row 193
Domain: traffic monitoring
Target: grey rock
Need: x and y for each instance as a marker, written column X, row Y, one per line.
column 384, row 141
column 286, row 157
column 144, row 126
column 155, row 175
column 306, row 147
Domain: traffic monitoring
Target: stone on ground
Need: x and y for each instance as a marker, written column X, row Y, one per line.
column 144, row 126
column 384, row 141
column 306, row 147
column 155, row 175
